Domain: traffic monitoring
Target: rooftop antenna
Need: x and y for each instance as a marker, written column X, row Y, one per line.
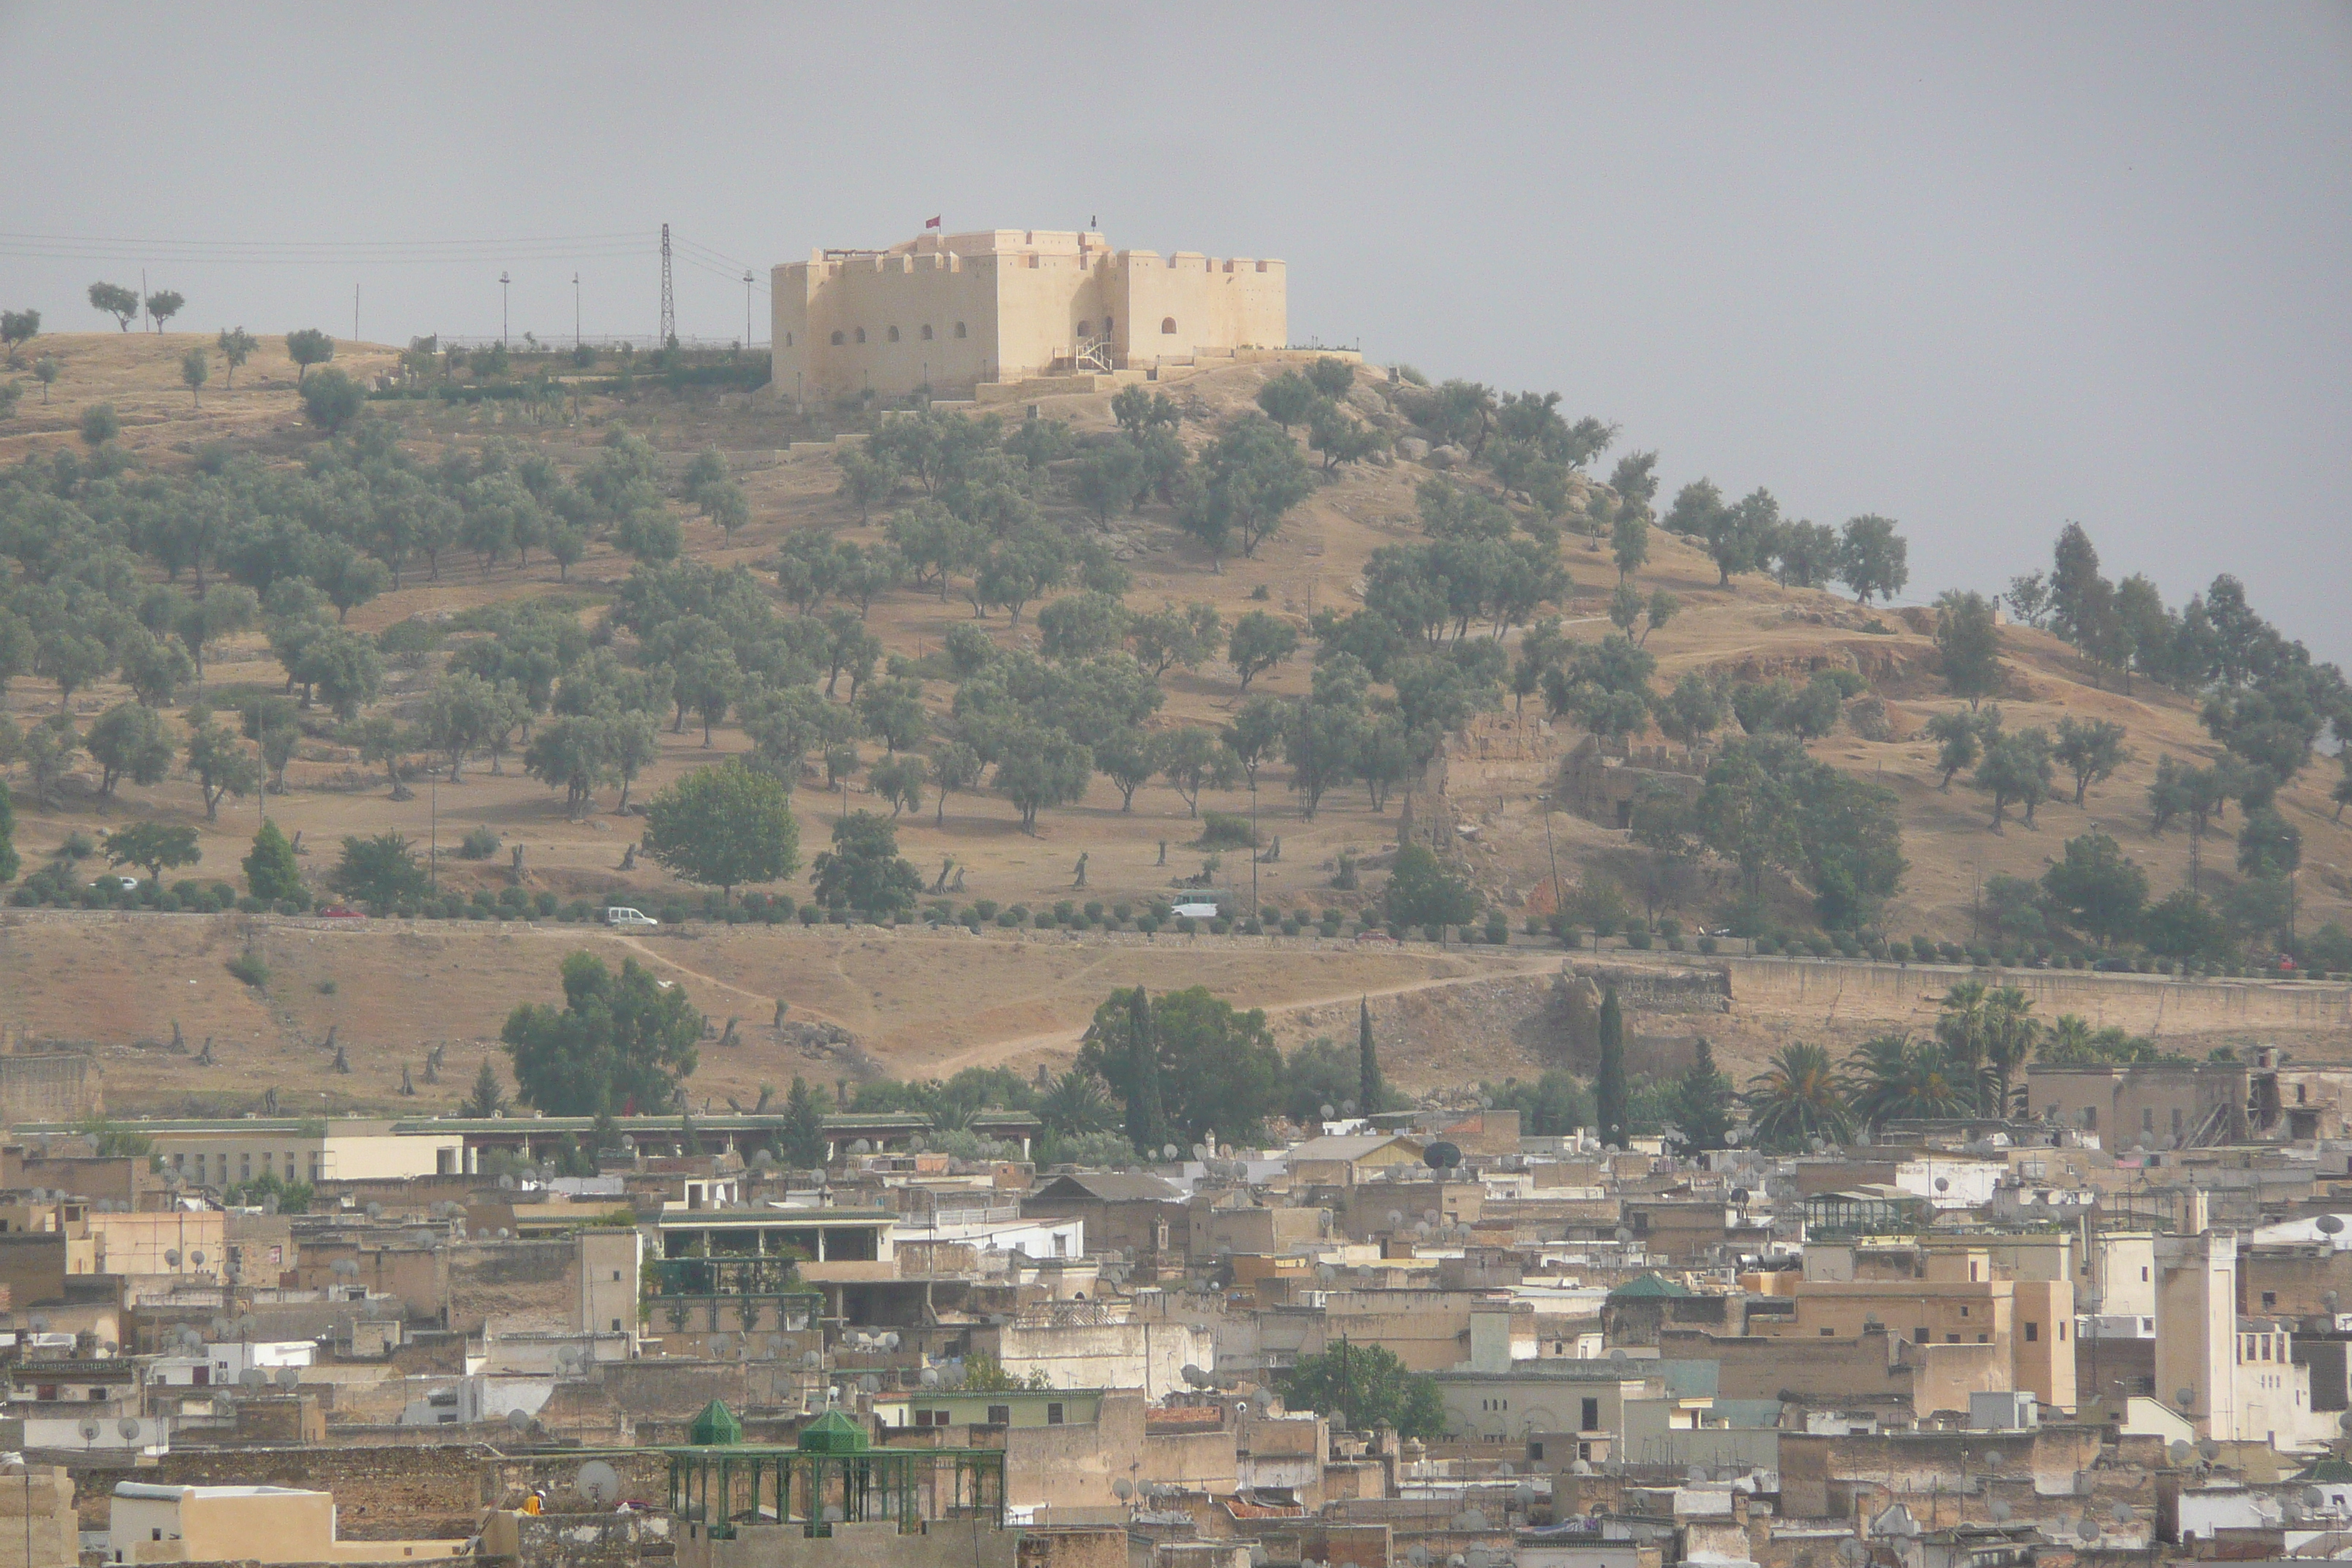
column 669, row 297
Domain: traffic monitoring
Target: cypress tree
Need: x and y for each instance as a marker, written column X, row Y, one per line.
column 1147, row 1123
column 1371, row 1093
column 8, row 836
column 1703, row 1102
column 1608, row 1084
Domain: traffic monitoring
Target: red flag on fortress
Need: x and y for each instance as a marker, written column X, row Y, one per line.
column 930, row 222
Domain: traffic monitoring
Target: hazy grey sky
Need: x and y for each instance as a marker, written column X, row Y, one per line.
column 1983, row 268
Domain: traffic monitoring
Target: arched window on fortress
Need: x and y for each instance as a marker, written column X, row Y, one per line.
column 836, row 338
column 1168, row 325
column 959, row 331
column 894, row 335
column 927, row 332
column 861, row 334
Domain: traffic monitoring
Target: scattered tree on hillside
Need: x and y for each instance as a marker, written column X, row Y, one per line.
column 306, row 347
column 114, row 300
column 724, row 826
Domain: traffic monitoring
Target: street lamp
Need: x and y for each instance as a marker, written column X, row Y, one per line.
column 575, row 309
column 503, row 281
column 747, row 310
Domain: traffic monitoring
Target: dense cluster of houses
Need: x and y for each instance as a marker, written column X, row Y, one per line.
column 2117, row 1324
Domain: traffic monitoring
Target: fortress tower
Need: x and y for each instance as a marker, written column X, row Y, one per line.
column 958, row 310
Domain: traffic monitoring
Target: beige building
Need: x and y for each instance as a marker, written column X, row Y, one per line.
column 1957, row 1294
column 952, row 311
column 150, row 1524
column 228, row 1154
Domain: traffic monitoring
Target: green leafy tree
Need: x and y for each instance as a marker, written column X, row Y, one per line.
column 1703, row 1100
column 1958, row 740
column 19, row 328
column 1259, row 642
column 1364, row 1387
column 129, row 742
column 1251, row 478
column 863, row 870
column 622, row 1043
column 1191, row 760
column 152, row 845
column 333, row 401
column 306, row 347
column 1423, row 892
column 2015, row 771
column 99, row 424
column 1897, row 1078
column 237, row 346
column 2269, row 847
column 163, row 305
column 46, row 370
column 271, row 873
column 220, row 765
column 1288, row 399
column 195, row 371
column 1873, row 559
column 114, row 300
column 1209, row 1067
column 1172, row 636
column 1608, row 1084
column 724, row 826
column 1969, row 640
column 1038, row 768
column 382, row 871
column 1798, row 1098
column 2091, row 750
column 1629, row 543
column 1693, row 711
column 9, row 860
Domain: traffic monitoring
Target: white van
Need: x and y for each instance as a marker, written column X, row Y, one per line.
column 618, row 916
column 1196, row 911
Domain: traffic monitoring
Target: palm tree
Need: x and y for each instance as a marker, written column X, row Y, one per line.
column 2068, row 1043
column 2009, row 1037
column 1076, row 1104
column 1798, row 1099
column 1896, row 1078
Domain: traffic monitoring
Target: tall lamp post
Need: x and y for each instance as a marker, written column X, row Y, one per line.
column 503, row 281
column 747, row 310
column 575, row 309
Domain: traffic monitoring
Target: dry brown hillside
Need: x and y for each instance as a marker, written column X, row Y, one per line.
column 922, row 1002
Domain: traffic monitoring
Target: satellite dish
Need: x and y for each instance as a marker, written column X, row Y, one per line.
column 128, row 1427
column 598, row 1482
column 1943, row 1184
column 870, row 1383
column 1441, row 1156
column 252, row 1377
column 2184, row 1397
column 812, row 1358
column 89, row 1431
column 1624, row 1234
column 931, row 1379
column 197, row 1258
column 2087, row 1528
column 1999, row 1511
column 2327, row 1225
column 518, row 1418
column 290, row 1377
column 1396, row 1218
column 1168, row 1151
column 376, row 1210
column 1121, row 1489
column 1474, row 1518
column 722, row 1345
column 505, row 1181
column 2122, row 1513
column 40, row 1323
column 171, row 1258
column 1618, row 1355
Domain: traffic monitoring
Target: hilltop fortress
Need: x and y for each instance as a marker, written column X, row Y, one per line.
column 956, row 312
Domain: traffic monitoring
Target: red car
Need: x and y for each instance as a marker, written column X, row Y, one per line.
column 342, row 913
